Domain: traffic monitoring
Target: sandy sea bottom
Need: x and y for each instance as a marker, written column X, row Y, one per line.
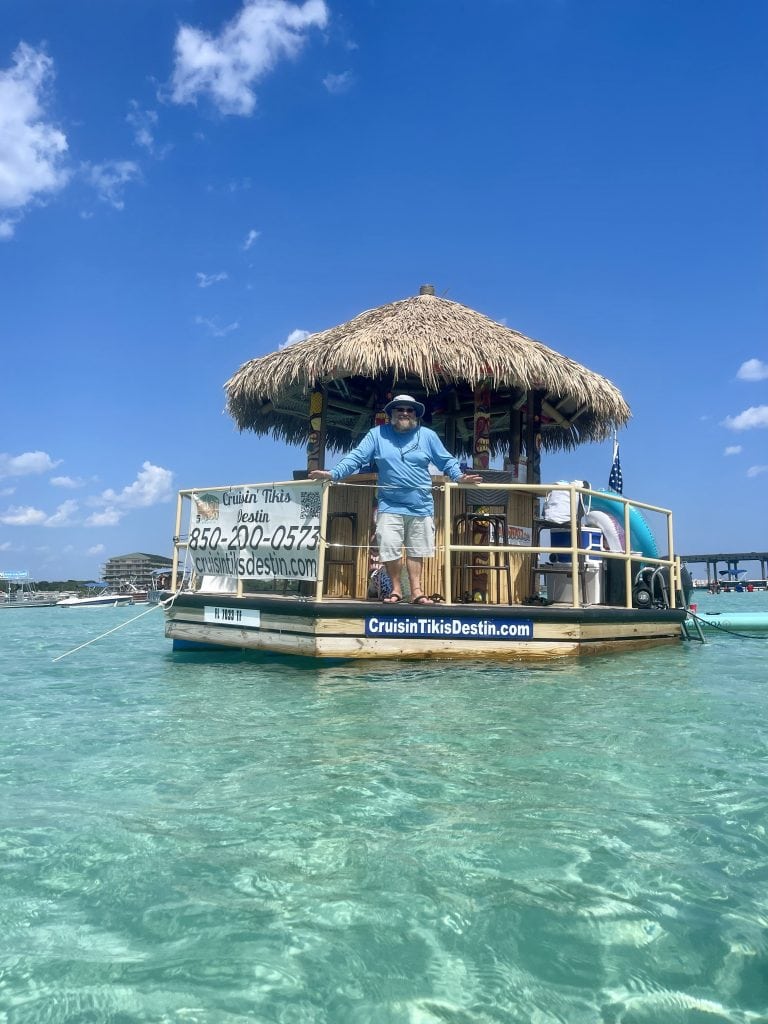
column 219, row 838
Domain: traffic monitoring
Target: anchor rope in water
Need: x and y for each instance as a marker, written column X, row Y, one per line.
column 113, row 630
column 160, row 604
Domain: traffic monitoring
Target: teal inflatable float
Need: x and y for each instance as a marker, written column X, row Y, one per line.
column 732, row 620
column 640, row 535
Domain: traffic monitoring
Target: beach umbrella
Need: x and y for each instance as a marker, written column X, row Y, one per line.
column 440, row 352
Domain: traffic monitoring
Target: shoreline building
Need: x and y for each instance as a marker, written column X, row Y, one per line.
column 137, row 568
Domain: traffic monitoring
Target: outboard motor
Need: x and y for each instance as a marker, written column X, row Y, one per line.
column 641, row 592
column 651, row 587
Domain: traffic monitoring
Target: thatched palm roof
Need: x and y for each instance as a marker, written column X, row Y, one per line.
column 423, row 345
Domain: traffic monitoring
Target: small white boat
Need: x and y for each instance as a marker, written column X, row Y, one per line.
column 104, row 598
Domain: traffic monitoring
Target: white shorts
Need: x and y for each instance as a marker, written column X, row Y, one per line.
column 416, row 533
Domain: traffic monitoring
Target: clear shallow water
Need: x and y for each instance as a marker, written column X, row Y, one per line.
column 189, row 838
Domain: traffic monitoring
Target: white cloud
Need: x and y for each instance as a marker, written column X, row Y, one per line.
column 338, row 84
column 26, row 464
column 31, row 149
column 755, row 416
column 216, row 330
column 22, row 515
column 733, row 449
column 109, row 517
column 152, row 485
column 250, row 238
column 238, row 185
column 143, row 123
column 757, row 470
column 97, row 549
column 66, row 481
column 293, row 337
column 27, row 515
column 5, row 491
column 249, row 46
column 110, row 178
column 206, row 280
column 753, row 369
column 63, row 516
column 6, row 546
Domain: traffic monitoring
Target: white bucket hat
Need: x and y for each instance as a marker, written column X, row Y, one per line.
column 405, row 400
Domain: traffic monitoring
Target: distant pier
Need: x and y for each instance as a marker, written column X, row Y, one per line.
column 731, row 561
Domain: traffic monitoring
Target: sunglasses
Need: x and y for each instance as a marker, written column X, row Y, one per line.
column 403, row 408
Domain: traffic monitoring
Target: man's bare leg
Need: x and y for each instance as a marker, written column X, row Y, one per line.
column 415, row 566
column 394, row 569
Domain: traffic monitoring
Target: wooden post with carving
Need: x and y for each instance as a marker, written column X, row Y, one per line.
column 481, row 455
column 533, row 436
column 316, row 439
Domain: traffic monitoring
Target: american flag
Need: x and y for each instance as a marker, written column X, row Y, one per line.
column 615, row 479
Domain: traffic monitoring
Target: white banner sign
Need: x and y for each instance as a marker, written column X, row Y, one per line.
column 262, row 532
column 520, row 535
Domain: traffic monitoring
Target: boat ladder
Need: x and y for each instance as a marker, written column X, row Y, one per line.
column 688, row 630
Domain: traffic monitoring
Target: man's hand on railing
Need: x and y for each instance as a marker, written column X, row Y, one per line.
column 319, row 474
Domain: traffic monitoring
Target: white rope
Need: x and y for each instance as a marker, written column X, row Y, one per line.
column 160, row 604
column 113, row 630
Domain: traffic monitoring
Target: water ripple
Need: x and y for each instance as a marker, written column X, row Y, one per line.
column 222, row 839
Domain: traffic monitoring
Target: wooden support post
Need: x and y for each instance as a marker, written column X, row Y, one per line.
column 514, row 451
column 533, row 436
column 448, row 535
column 316, row 439
column 382, row 397
column 515, row 435
column 481, row 455
column 322, row 548
column 481, row 451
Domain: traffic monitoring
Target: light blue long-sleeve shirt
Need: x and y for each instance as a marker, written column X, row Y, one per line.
column 402, row 459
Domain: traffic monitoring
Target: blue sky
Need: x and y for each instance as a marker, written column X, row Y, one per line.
column 184, row 185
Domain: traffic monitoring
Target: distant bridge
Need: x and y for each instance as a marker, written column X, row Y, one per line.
column 731, row 559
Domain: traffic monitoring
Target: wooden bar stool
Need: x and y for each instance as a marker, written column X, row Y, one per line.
column 483, row 523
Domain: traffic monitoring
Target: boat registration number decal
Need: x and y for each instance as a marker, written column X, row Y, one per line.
column 450, row 626
column 218, row 615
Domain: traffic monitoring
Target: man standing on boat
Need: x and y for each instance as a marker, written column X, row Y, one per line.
column 402, row 450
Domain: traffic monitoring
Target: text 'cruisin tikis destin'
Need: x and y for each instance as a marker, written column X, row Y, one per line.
column 521, row 569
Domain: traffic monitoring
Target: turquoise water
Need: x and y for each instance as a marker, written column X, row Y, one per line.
column 211, row 838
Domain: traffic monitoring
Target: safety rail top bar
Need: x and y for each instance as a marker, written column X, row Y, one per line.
column 524, row 488
column 449, row 487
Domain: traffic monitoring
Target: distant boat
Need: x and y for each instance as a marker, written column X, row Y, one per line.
column 106, row 597
column 24, row 595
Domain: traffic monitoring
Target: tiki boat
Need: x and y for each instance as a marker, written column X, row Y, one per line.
column 289, row 567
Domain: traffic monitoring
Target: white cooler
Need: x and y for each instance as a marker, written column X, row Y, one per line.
column 560, row 585
column 591, row 539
